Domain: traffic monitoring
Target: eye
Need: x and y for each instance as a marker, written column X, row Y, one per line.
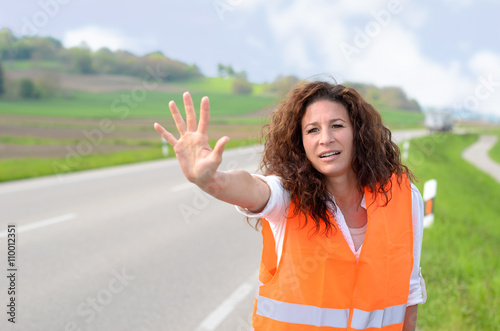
column 312, row 130
column 336, row 126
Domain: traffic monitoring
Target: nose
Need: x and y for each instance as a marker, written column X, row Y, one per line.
column 327, row 136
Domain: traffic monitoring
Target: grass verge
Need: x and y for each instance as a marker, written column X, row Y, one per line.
column 495, row 151
column 459, row 254
column 13, row 169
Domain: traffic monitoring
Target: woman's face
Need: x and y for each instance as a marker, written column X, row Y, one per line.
column 328, row 138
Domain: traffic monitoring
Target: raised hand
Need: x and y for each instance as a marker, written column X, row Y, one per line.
column 198, row 161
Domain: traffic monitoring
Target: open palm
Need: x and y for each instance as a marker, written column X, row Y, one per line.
column 198, row 161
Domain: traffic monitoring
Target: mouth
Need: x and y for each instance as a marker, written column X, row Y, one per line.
column 328, row 154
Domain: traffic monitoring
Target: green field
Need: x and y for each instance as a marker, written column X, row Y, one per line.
column 239, row 116
column 30, row 64
column 397, row 119
column 131, row 105
column 224, row 107
column 460, row 250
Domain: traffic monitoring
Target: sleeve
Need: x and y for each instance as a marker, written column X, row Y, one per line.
column 275, row 211
column 277, row 205
column 418, row 293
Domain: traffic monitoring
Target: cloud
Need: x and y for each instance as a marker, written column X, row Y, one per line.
column 303, row 39
column 97, row 37
column 386, row 49
column 484, row 94
column 485, row 62
column 316, row 32
column 414, row 15
column 394, row 58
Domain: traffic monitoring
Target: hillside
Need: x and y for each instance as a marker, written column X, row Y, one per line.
column 38, row 67
column 49, row 53
column 65, row 110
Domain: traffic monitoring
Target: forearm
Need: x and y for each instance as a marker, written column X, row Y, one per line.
column 410, row 323
column 240, row 188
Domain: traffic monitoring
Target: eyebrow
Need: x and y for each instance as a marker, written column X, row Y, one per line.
column 331, row 121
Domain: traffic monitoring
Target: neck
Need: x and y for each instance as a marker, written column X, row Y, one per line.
column 345, row 190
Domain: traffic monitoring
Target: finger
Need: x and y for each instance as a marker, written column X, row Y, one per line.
column 165, row 134
column 204, row 116
column 179, row 121
column 219, row 147
column 190, row 114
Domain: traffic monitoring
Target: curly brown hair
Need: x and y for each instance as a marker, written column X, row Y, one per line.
column 376, row 157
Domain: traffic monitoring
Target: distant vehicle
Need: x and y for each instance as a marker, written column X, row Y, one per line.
column 439, row 120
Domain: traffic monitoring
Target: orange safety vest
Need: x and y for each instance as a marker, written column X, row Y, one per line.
column 319, row 283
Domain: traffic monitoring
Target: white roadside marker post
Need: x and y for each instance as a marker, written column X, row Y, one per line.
column 164, row 147
column 430, row 189
column 406, row 149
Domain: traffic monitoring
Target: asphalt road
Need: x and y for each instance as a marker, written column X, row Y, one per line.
column 126, row 248
column 133, row 247
column 477, row 154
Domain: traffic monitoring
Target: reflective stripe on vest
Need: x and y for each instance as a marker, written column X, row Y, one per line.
column 302, row 314
column 378, row 318
column 337, row 318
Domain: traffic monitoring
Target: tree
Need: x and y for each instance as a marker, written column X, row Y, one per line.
column 391, row 97
column 80, row 59
column 46, row 48
column 83, row 62
column 27, row 89
column 105, row 61
column 395, row 98
column 242, row 86
column 221, row 70
column 281, row 85
column 8, row 44
column 230, row 71
column 2, row 88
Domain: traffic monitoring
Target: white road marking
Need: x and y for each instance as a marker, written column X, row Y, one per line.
column 227, row 306
column 41, row 224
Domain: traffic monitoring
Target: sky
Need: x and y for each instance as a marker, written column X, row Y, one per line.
column 443, row 53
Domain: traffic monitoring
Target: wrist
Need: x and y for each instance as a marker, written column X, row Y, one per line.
column 215, row 184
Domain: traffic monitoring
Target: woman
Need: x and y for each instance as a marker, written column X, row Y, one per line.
column 341, row 222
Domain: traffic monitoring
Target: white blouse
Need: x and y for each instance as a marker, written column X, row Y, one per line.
column 276, row 212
